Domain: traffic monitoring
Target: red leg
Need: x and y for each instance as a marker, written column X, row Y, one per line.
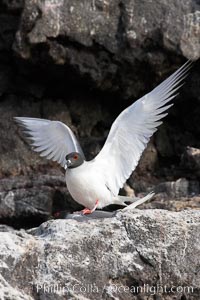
column 87, row 211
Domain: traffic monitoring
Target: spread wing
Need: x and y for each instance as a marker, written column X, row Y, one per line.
column 52, row 139
column 132, row 130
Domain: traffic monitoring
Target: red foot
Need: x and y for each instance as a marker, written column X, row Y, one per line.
column 87, row 211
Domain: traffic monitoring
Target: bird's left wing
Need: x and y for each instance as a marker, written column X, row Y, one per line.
column 52, row 139
column 132, row 130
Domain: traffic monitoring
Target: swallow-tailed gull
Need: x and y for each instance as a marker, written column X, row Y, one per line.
column 96, row 183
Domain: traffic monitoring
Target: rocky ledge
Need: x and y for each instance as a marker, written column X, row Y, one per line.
column 134, row 255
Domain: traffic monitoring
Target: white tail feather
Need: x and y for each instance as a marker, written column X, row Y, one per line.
column 138, row 201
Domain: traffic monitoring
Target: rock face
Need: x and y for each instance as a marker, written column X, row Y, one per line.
column 120, row 32
column 29, row 201
column 191, row 160
column 83, row 62
column 139, row 253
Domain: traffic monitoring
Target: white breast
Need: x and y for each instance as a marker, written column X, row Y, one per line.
column 86, row 186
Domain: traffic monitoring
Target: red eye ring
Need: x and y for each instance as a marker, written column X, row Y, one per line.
column 75, row 157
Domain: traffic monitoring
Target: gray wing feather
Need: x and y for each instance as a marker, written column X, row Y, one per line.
column 52, row 139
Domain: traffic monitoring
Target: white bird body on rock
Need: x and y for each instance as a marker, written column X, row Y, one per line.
column 96, row 183
column 88, row 179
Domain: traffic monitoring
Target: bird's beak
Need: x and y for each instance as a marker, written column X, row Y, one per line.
column 68, row 163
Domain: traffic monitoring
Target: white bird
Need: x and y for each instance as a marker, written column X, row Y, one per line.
column 96, row 183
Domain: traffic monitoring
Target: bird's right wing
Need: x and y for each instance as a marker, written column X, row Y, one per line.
column 52, row 139
column 132, row 130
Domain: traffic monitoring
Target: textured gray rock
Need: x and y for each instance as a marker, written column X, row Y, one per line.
column 171, row 195
column 191, row 160
column 104, row 259
column 174, row 189
column 27, row 201
column 118, row 46
column 24, row 197
column 103, row 39
column 162, row 201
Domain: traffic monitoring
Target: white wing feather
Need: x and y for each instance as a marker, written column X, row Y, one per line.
column 53, row 139
column 132, row 130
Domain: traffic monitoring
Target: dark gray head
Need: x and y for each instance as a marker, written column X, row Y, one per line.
column 74, row 160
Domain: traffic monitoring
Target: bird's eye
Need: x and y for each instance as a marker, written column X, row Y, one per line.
column 75, row 157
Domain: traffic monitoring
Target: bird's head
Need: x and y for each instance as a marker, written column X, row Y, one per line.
column 73, row 160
